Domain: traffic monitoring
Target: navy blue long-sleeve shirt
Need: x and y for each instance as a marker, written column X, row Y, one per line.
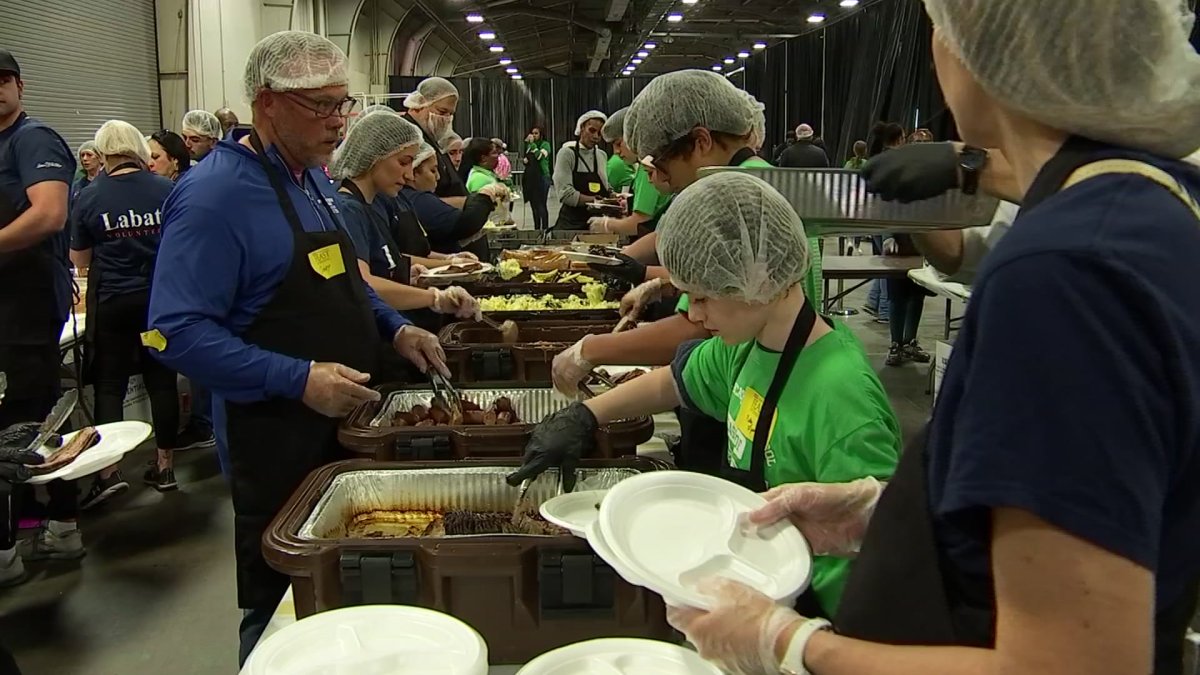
column 226, row 248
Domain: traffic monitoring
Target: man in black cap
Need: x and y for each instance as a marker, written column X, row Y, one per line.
column 36, row 168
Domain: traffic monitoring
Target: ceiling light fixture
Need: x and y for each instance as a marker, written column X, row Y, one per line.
column 816, row 18
column 487, row 35
column 729, row 60
column 637, row 61
column 511, row 71
column 517, row 77
column 849, row 3
column 651, row 45
column 474, row 18
column 743, row 55
column 674, row 17
column 505, row 61
column 643, row 54
column 718, row 67
column 760, row 45
column 690, row 2
column 495, row 49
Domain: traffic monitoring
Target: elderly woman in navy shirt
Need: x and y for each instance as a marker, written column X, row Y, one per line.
column 1049, row 521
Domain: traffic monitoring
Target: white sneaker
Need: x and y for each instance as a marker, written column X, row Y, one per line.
column 51, row 546
column 13, row 573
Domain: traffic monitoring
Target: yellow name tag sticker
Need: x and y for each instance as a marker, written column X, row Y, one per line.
column 594, row 188
column 748, row 413
column 327, row 261
column 154, row 340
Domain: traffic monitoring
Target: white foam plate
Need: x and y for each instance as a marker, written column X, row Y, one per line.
column 600, row 547
column 116, row 440
column 580, row 256
column 440, row 273
column 675, row 529
column 620, row 656
column 574, row 510
column 392, row 639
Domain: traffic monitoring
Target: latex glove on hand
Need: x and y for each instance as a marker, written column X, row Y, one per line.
column 598, row 224
column 833, row 517
column 455, row 300
column 913, row 172
column 414, row 275
column 635, row 301
column 463, row 256
column 560, row 440
column 498, row 192
column 22, row 434
column 14, row 461
column 334, row 390
column 569, row 369
column 421, row 348
column 629, row 270
column 739, row 635
column 890, row 247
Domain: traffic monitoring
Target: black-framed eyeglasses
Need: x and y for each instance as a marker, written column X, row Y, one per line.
column 324, row 109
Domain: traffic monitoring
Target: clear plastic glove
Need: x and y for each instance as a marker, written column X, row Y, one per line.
column 832, row 516
column 913, row 172
column 635, row 301
column 598, row 224
column 455, row 300
column 421, row 348
column 463, row 256
column 498, row 192
column 890, row 247
column 560, row 440
column 740, row 634
column 334, row 390
column 414, row 275
column 569, row 369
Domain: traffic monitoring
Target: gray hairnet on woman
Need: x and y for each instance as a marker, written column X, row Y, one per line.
column 1047, row 520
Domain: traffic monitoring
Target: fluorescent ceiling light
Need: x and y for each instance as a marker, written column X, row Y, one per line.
column 643, row 54
column 651, row 45
column 718, row 67
column 505, row 61
column 474, row 18
column 760, row 45
column 487, row 35
column 690, row 2
column 743, row 55
column 517, row 77
column 636, row 61
column 849, row 3
column 495, row 49
column 674, row 17
column 511, row 71
column 729, row 60
column 816, row 18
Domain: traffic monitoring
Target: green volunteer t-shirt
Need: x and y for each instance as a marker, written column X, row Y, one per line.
column 543, row 151
column 833, row 422
column 813, row 282
column 647, row 200
column 620, row 174
column 480, row 178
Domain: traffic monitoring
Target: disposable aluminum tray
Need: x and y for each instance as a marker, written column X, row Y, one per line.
column 531, row 405
column 479, row 488
column 836, row 201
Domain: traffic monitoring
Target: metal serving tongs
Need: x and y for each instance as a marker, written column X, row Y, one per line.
column 446, row 394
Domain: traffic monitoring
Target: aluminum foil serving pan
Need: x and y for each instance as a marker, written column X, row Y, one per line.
column 368, row 432
column 836, row 201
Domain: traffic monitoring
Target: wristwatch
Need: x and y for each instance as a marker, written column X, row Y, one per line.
column 971, row 161
column 793, row 660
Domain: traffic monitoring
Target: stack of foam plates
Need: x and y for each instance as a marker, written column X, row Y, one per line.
column 393, row 639
column 620, row 656
column 670, row 531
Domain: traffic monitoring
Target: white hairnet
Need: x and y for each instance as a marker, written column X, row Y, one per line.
column 614, row 128
column 732, row 235
column 294, row 59
column 378, row 107
column 117, row 138
column 589, row 115
column 203, row 123
column 758, row 126
column 1111, row 70
column 374, row 137
column 675, row 103
column 450, row 138
column 430, row 91
column 89, row 146
column 424, row 152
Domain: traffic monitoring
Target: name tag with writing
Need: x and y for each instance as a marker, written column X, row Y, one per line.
column 594, row 188
column 749, row 412
column 327, row 261
column 153, row 339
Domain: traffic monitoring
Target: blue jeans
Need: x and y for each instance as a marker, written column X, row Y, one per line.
column 877, row 297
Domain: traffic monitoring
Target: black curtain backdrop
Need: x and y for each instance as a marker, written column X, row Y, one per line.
column 506, row 109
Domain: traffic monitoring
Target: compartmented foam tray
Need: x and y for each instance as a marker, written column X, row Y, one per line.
column 475, row 352
column 526, row 595
column 367, row 432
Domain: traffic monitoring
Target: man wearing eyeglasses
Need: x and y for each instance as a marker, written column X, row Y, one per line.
column 257, row 295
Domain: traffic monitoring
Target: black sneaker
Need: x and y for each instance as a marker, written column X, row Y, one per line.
column 162, row 480
column 192, row 438
column 103, row 490
column 895, row 355
column 873, row 311
column 913, row 351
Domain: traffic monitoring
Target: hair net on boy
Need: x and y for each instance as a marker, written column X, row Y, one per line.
column 758, row 127
column 87, row 146
column 424, row 152
column 378, row 107
column 1111, row 70
column 203, row 123
column 730, row 234
column 587, row 116
column 374, row 137
column 675, row 103
column 430, row 91
column 117, row 138
column 294, row 59
column 614, row 128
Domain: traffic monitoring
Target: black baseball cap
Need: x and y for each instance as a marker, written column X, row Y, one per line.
column 8, row 63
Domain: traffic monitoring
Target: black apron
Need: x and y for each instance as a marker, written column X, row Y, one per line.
column 588, row 183
column 903, row 590
column 274, row 444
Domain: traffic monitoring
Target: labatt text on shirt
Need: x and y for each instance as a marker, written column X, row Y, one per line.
column 132, row 223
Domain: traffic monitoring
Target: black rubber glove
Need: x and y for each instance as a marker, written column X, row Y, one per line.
column 629, row 270
column 12, row 463
column 561, row 440
column 913, row 172
column 20, row 435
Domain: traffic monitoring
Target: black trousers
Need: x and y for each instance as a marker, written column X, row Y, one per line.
column 907, row 302
column 537, row 202
column 117, row 354
column 32, row 391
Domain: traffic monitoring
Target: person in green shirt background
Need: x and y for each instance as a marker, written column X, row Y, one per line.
column 646, row 203
column 479, row 164
column 860, row 156
column 739, row 249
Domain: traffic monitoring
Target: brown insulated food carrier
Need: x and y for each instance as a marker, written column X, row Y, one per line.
column 367, row 432
column 475, row 352
column 526, row 595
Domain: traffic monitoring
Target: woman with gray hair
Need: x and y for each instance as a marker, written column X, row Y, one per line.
column 1047, row 521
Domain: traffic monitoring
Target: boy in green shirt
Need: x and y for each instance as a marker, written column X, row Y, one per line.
column 620, row 173
column 738, row 248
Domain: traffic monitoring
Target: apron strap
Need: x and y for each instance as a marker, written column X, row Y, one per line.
column 281, row 195
column 741, row 156
column 127, row 165
column 1129, row 166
